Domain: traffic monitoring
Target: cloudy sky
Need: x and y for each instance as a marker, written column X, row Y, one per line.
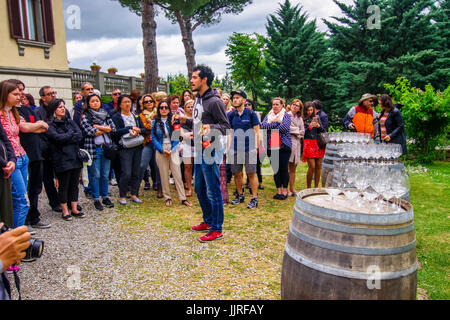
column 111, row 35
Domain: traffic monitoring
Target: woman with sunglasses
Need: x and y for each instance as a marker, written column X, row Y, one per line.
column 148, row 153
column 126, row 122
column 166, row 153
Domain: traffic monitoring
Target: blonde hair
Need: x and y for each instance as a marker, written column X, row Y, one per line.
column 158, row 96
column 283, row 102
column 190, row 101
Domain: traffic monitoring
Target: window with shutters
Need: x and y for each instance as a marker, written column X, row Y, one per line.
column 31, row 24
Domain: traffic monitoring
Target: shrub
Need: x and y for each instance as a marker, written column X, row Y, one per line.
column 426, row 116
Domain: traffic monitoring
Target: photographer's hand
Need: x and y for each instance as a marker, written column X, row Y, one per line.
column 13, row 245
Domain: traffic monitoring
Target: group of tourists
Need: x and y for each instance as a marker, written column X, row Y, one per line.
column 204, row 136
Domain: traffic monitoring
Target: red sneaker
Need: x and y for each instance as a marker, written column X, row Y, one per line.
column 202, row 227
column 211, row 236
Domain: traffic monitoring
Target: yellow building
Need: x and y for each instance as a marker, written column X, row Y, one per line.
column 33, row 46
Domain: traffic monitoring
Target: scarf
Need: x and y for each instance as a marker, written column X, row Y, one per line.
column 98, row 117
column 149, row 116
column 272, row 117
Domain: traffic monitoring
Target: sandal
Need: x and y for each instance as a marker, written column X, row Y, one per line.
column 186, row 203
column 168, row 202
column 189, row 194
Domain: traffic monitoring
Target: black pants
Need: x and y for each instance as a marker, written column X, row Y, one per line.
column 6, row 203
column 130, row 160
column 281, row 176
column 68, row 186
column 49, row 183
column 35, row 177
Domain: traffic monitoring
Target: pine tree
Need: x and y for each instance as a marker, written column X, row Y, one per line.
column 296, row 54
column 407, row 43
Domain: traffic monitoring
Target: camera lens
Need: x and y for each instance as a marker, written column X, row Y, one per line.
column 35, row 249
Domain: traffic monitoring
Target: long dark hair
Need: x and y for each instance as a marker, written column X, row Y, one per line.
column 159, row 121
column 183, row 102
column 309, row 104
column 52, row 106
column 6, row 87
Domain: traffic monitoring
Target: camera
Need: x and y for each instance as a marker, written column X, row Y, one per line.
column 35, row 249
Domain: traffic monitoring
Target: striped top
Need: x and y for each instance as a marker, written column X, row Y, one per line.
column 383, row 126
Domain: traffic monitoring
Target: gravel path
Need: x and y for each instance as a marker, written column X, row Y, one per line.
column 104, row 257
column 96, row 258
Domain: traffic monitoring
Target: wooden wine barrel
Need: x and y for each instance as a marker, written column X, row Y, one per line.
column 335, row 251
column 328, row 162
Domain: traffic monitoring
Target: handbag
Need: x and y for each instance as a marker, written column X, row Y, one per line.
column 128, row 141
column 83, row 155
column 110, row 149
column 322, row 140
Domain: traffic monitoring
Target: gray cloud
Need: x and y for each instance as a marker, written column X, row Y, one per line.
column 111, row 35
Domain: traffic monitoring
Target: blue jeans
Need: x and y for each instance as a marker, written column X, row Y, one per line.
column 207, row 187
column 19, row 185
column 99, row 175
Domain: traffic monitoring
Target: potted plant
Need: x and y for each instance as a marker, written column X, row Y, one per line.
column 95, row 67
column 112, row 70
column 142, row 75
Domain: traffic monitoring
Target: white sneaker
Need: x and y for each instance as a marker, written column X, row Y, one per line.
column 113, row 182
column 171, row 181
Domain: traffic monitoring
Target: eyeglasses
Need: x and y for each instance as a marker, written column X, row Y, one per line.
column 148, row 101
column 164, row 108
column 53, row 93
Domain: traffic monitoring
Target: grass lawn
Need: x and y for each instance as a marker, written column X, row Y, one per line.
column 430, row 196
column 247, row 263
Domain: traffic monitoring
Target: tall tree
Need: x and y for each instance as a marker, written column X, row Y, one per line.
column 406, row 43
column 296, row 53
column 247, row 62
column 192, row 14
column 146, row 9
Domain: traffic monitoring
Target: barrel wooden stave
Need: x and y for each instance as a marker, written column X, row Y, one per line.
column 323, row 262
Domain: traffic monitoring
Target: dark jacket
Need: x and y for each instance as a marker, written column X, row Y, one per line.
column 323, row 120
column 31, row 142
column 121, row 129
column 395, row 128
column 109, row 107
column 64, row 137
column 77, row 110
column 41, row 114
column 214, row 111
column 6, row 150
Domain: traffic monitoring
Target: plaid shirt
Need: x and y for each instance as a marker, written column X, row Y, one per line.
column 89, row 134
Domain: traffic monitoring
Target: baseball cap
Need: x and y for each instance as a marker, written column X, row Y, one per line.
column 239, row 92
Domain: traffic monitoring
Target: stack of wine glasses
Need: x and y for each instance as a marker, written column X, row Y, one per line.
column 367, row 174
column 371, row 186
column 370, row 153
